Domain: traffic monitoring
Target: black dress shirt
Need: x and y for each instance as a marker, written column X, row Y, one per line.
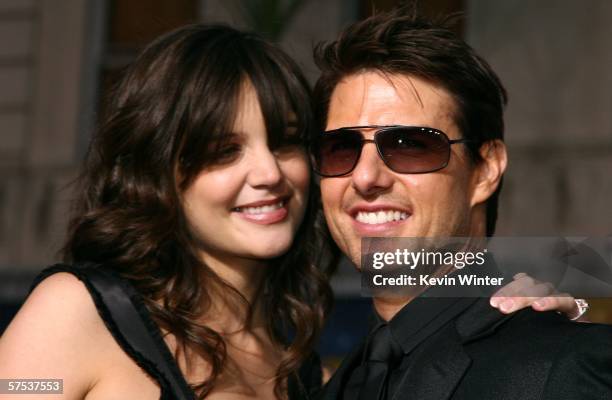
column 417, row 321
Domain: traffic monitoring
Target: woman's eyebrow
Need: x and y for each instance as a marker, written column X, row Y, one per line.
column 233, row 135
column 226, row 138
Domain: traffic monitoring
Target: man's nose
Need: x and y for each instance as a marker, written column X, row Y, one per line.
column 371, row 175
column 264, row 169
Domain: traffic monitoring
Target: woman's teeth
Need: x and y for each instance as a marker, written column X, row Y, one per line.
column 260, row 210
column 380, row 217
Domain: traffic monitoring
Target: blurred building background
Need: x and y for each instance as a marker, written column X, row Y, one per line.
column 57, row 58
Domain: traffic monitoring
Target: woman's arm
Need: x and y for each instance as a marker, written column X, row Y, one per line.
column 55, row 335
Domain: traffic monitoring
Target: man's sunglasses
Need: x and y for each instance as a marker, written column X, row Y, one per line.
column 404, row 149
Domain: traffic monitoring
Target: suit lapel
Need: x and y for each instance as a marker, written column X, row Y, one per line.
column 442, row 363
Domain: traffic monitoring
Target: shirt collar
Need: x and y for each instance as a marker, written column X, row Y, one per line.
column 429, row 312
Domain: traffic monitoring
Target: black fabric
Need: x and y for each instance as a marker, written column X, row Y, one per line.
column 128, row 320
column 424, row 316
column 413, row 324
column 382, row 346
column 369, row 381
column 307, row 384
column 471, row 351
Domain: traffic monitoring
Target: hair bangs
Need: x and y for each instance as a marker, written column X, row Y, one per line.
column 218, row 75
column 283, row 94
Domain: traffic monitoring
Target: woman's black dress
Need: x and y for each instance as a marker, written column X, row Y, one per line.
column 123, row 312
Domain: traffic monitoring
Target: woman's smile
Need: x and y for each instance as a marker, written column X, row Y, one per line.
column 264, row 212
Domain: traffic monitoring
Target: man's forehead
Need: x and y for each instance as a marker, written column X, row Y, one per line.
column 374, row 94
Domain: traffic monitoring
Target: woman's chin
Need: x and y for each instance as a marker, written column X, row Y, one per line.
column 270, row 250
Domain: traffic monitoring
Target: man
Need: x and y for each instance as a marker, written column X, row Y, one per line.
column 387, row 82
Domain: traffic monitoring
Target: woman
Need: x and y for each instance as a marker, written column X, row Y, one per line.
column 193, row 191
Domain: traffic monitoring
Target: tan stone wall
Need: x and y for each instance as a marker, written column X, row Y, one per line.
column 555, row 59
column 41, row 48
column 315, row 21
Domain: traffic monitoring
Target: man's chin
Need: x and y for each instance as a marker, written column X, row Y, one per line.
column 354, row 254
column 356, row 263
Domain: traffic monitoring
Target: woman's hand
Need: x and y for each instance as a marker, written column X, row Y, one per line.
column 525, row 291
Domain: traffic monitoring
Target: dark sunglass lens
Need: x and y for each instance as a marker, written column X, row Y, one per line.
column 414, row 150
column 336, row 153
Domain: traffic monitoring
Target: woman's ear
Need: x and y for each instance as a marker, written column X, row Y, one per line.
column 489, row 170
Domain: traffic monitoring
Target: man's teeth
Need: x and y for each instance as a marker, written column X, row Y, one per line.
column 380, row 217
column 260, row 210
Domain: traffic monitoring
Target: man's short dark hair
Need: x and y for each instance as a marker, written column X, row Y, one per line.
column 404, row 43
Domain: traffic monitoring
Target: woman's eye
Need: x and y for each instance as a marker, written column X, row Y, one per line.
column 228, row 153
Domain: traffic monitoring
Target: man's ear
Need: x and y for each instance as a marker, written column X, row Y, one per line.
column 489, row 170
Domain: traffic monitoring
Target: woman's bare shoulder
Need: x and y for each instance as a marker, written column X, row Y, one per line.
column 56, row 333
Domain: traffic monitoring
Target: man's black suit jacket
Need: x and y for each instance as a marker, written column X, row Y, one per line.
column 482, row 354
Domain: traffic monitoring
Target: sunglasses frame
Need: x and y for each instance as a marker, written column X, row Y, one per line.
column 382, row 129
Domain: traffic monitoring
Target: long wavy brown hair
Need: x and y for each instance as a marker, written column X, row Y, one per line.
column 167, row 118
